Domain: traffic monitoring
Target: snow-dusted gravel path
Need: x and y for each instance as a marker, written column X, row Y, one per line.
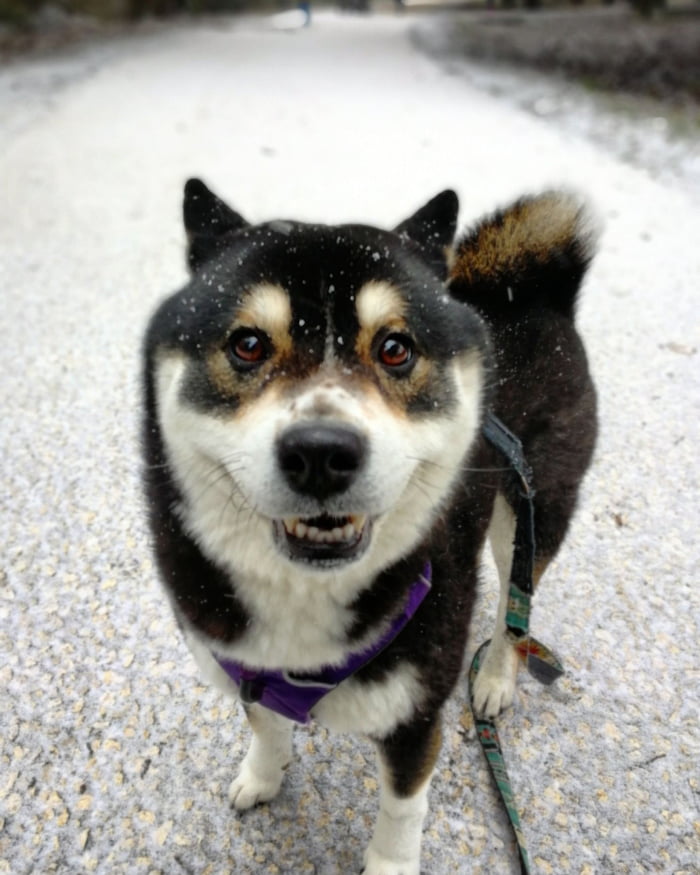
column 114, row 757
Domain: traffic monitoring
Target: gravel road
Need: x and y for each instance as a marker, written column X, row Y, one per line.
column 114, row 756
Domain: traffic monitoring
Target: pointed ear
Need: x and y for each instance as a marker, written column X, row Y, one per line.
column 431, row 230
column 208, row 222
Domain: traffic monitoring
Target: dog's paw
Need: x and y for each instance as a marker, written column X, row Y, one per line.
column 494, row 685
column 378, row 864
column 249, row 789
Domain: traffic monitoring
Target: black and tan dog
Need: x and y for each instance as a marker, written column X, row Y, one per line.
column 319, row 486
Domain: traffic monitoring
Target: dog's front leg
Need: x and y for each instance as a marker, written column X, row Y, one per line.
column 494, row 687
column 406, row 760
column 262, row 769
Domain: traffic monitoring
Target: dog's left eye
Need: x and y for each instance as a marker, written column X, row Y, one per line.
column 396, row 351
column 248, row 348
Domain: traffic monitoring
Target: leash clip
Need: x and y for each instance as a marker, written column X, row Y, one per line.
column 250, row 690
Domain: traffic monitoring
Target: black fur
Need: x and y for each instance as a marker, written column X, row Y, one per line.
column 541, row 386
column 199, row 591
column 209, row 223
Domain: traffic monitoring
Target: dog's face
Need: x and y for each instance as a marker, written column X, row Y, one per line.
column 317, row 388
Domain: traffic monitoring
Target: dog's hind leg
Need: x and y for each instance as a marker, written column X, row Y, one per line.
column 262, row 769
column 407, row 759
column 494, row 686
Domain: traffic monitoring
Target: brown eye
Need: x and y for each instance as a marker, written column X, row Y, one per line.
column 248, row 348
column 396, row 351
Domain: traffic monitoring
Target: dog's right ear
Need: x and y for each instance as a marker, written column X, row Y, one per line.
column 209, row 222
column 430, row 231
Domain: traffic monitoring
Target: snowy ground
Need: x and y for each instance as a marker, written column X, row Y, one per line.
column 114, row 756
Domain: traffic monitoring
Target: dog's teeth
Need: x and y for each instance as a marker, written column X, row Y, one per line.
column 295, row 527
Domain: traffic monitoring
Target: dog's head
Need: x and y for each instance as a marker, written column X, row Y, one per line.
column 317, row 389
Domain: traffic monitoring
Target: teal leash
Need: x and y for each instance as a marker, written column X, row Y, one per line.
column 540, row 661
column 491, row 745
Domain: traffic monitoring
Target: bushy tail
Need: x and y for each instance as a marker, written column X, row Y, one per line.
column 533, row 254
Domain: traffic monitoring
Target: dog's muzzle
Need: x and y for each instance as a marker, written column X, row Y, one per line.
column 322, row 461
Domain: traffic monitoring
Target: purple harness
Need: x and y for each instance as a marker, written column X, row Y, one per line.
column 294, row 695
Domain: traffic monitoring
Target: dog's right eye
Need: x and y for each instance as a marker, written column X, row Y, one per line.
column 248, row 348
column 396, row 352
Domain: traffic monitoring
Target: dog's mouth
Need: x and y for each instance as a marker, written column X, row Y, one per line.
column 324, row 539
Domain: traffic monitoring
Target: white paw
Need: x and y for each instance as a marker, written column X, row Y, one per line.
column 378, row 864
column 494, row 686
column 249, row 788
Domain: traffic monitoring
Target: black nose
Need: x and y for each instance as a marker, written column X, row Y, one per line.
column 321, row 460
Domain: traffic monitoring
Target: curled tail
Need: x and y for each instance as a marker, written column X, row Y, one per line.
column 530, row 255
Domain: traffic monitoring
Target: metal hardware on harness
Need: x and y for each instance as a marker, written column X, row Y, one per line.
column 250, row 691
column 540, row 661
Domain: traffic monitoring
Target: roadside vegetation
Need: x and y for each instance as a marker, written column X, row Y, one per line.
column 612, row 48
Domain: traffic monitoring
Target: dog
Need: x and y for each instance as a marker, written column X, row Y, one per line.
column 318, row 483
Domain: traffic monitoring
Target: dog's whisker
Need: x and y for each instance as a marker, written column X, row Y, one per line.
column 156, row 467
column 466, row 469
column 423, row 488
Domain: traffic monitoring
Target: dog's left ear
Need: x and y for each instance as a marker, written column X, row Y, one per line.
column 431, row 230
column 209, row 222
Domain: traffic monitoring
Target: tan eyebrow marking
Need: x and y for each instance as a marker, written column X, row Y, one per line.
column 267, row 307
column 379, row 305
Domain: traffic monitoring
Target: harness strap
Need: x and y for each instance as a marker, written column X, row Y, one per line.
column 293, row 695
column 540, row 661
